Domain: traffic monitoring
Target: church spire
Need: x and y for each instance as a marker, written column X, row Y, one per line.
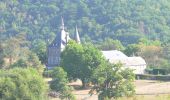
column 77, row 38
column 62, row 23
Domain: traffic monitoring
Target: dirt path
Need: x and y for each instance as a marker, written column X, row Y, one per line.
column 152, row 87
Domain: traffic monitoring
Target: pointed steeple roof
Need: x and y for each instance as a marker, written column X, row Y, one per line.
column 77, row 38
column 59, row 40
column 62, row 23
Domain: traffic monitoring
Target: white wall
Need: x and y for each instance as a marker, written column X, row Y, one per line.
column 138, row 69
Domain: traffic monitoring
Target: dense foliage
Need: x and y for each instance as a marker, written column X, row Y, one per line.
column 110, row 44
column 86, row 63
column 79, row 61
column 15, row 52
column 124, row 20
column 139, row 27
column 107, row 24
column 113, row 81
column 21, row 84
column 59, row 84
column 155, row 55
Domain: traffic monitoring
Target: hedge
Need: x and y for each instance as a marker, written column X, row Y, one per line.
column 153, row 77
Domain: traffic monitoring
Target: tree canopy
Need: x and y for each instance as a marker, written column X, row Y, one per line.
column 112, row 24
column 113, row 81
column 124, row 20
column 79, row 61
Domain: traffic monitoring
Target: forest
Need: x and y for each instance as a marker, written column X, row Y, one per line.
column 124, row 20
column 135, row 27
column 27, row 27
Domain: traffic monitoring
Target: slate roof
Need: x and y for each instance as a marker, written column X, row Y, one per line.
column 56, row 42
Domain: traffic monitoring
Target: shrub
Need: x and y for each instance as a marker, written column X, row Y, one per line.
column 20, row 84
column 59, row 84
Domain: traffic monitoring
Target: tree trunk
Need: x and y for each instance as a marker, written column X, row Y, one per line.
column 84, row 83
column 10, row 60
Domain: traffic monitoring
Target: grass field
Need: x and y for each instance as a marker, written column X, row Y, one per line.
column 145, row 90
column 137, row 97
column 147, row 97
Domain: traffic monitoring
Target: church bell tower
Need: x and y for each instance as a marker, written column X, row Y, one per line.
column 57, row 46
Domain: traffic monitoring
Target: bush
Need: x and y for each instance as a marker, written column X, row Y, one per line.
column 21, row 84
column 47, row 73
column 59, row 84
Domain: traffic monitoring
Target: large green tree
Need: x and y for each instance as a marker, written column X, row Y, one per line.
column 79, row 61
column 113, row 81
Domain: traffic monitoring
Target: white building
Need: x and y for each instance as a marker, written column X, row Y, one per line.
column 138, row 64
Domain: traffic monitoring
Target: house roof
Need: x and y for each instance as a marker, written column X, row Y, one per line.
column 129, row 61
column 60, row 40
column 57, row 41
column 115, row 56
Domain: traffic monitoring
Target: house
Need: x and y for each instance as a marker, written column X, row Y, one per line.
column 138, row 64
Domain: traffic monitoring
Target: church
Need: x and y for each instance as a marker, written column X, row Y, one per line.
column 138, row 64
column 57, row 46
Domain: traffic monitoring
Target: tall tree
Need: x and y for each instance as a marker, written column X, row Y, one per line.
column 79, row 61
column 113, row 81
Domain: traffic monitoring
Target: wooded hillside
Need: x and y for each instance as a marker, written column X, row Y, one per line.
column 137, row 27
column 124, row 20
